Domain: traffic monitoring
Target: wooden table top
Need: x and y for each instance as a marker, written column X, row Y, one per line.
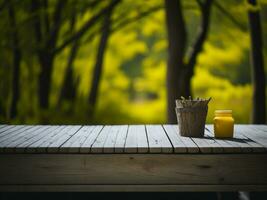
column 126, row 139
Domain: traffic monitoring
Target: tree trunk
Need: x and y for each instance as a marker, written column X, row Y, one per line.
column 16, row 62
column 68, row 91
column 257, row 64
column 179, row 74
column 99, row 61
column 205, row 8
column 45, row 44
column 45, row 76
column 175, row 67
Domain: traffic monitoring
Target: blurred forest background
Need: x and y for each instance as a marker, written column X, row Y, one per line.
column 125, row 61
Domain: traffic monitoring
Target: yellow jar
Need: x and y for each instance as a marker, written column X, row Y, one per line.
column 223, row 124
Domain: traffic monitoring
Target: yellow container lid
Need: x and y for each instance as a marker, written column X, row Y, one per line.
column 223, row 111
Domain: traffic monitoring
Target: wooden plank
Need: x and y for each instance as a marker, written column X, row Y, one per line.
column 2, row 125
column 4, row 128
column 36, row 136
column 62, row 137
column 121, row 139
column 179, row 143
column 256, row 147
column 136, row 141
column 18, row 144
column 131, row 140
column 109, row 145
column 110, row 141
column 12, row 132
column 134, row 169
column 260, row 127
column 227, row 147
column 15, row 135
column 98, row 145
column 74, row 144
column 92, row 135
column 142, row 141
column 157, row 140
column 236, row 142
column 42, row 144
column 132, row 188
column 204, row 144
column 255, row 134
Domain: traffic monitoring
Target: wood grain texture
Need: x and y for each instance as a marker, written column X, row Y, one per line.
column 255, row 134
column 179, row 143
column 127, row 139
column 240, row 132
column 9, row 141
column 99, row 142
column 227, row 147
column 136, row 141
column 42, row 144
column 4, row 128
column 121, row 139
column 238, row 144
column 19, row 144
column 109, row 169
column 92, row 135
column 207, row 144
column 158, row 141
column 116, row 139
column 74, row 144
column 61, row 138
column 13, row 132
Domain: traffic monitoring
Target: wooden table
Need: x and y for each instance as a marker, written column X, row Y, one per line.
column 130, row 158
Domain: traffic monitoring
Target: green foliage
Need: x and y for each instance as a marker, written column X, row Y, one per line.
column 133, row 83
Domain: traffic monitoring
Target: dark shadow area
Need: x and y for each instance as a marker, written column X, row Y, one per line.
column 130, row 196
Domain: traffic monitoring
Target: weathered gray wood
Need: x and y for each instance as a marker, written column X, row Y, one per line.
column 227, row 147
column 255, row 134
column 131, row 141
column 190, row 144
column 28, row 137
column 92, row 135
column 136, row 141
column 4, row 128
column 42, row 144
column 179, row 143
column 109, row 169
column 124, row 139
column 121, row 139
column 98, row 145
column 13, row 131
column 62, row 137
column 259, row 127
column 238, row 143
column 35, row 136
column 132, row 188
column 240, row 133
column 109, row 145
column 216, row 146
column 14, row 138
column 74, row 144
column 142, row 141
column 203, row 144
column 157, row 139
